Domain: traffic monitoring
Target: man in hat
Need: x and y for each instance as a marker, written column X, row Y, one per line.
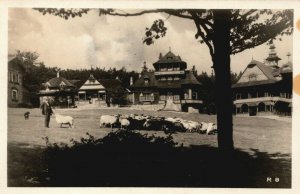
column 47, row 111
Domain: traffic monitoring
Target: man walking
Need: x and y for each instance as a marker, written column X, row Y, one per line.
column 47, row 111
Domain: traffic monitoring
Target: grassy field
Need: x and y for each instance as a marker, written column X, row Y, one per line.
column 26, row 137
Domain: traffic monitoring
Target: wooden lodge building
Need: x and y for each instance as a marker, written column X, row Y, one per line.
column 61, row 90
column 170, row 83
column 264, row 88
column 96, row 91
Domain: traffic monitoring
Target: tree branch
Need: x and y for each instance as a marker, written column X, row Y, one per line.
column 202, row 35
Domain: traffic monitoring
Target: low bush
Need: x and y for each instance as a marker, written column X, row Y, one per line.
column 128, row 158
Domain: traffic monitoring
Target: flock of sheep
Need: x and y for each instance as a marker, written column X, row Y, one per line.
column 142, row 122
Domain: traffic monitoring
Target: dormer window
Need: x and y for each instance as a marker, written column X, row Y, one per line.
column 146, row 80
column 252, row 77
column 62, row 84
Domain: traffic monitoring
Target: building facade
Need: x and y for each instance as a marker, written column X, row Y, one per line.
column 264, row 88
column 170, row 84
column 61, row 90
column 98, row 91
column 17, row 94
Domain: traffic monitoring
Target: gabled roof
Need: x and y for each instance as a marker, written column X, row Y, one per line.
column 269, row 72
column 56, row 81
column 140, row 83
column 170, row 58
column 191, row 79
column 14, row 62
column 92, row 84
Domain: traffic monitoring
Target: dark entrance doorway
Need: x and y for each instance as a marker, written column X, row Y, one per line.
column 252, row 110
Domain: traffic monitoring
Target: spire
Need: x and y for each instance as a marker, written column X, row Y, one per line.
column 272, row 59
column 144, row 68
column 160, row 56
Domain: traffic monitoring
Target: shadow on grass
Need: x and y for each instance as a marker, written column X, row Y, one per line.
column 129, row 159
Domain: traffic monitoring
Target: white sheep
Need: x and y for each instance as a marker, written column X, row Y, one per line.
column 108, row 120
column 211, row 129
column 124, row 123
column 60, row 119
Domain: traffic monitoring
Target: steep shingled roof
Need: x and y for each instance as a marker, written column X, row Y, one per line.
column 170, row 58
column 140, row 83
column 56, row 81
column 14, row 62
column 269, row 72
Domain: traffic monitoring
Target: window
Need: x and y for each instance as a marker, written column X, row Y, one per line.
column 194, row 95
column 146, row 97
column 10, row 76
column 14, row 94
column 252, row 77
column 176, row 97
column 146, row 81
column 176, row 78
column 170, row 78
column 14, row 77
column 163, row 79
column 62, row 84
column 17, row 78
column 186, row 95
column 162, row 97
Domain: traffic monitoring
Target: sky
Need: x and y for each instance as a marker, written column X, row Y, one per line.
column 108, row 41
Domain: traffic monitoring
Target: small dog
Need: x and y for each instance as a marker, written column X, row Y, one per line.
column 26, row 115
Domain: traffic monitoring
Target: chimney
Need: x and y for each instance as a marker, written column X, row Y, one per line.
column 131, row 80
column 160, row 56
column 57, row 74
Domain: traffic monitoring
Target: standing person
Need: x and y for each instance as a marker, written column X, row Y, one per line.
column 47, row 111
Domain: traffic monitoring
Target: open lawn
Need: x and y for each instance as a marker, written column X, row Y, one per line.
column 26, row 138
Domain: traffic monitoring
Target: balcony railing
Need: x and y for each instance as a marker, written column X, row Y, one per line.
column 260, row 99
column 191, row 101
column 169, row 72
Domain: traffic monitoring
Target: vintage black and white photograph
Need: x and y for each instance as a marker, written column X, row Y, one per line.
column 171, row 98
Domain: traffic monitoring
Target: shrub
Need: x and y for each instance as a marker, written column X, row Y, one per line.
column 121, row 158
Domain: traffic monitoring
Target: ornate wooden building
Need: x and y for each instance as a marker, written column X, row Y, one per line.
column 98, row 91
column 170, row 82
column 264, row 88
column 61, row 90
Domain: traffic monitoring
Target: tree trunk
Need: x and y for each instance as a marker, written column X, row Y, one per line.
column 221, row 64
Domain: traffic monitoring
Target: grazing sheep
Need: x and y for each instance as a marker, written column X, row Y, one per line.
column 211, row 129
column 203, row 128
column 68, row 120
column 154, row 124
column 108, row 120
column 124, row 123
column 136, row 122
